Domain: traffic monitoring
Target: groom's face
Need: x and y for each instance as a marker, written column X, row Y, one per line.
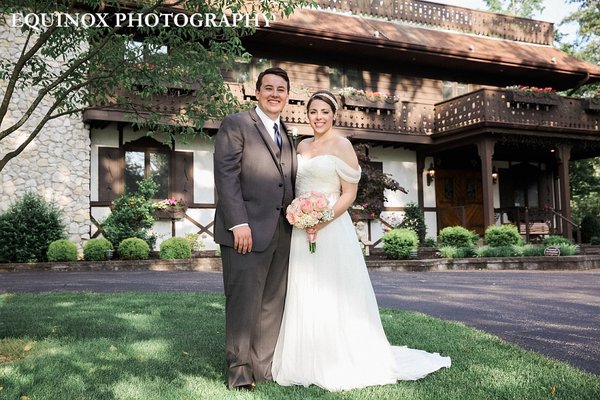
column 272, row 95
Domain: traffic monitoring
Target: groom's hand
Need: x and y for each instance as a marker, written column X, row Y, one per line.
column 242, row 239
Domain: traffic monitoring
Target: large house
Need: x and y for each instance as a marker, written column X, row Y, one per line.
column 469, row 151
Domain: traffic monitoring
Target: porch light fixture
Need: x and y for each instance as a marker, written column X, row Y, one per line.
column 494, row 175
column 430, row 174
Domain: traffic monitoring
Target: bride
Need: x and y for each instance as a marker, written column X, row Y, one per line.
column 331, row 334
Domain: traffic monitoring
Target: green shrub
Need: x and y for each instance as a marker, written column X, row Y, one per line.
column 175, row 248
column 595, row 240
column 502, row 236
column 532, row 250
column 429, row 242
column 414, row 219
column 555, row 240
column 62, row 250
column 457, row 236
column 499, row 251
column 568, row 249
column 456, row 252
column 132, row 215
column 590, row 227
column 95, row 249
column 134, row 249
column 398, row 243
column 195, row 241
column 28, row 227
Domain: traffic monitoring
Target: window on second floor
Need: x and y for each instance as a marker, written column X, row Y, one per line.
column 340, row 77
column 452, row 89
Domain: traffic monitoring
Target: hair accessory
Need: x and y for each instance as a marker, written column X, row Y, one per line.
column 327, row 96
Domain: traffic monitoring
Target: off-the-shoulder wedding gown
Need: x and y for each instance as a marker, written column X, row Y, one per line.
column 331, row 334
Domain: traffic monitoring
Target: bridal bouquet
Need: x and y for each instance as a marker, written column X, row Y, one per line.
column 307, row 211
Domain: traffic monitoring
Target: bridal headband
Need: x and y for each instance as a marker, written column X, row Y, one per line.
column 327, row 96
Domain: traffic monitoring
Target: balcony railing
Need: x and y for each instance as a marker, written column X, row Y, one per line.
column 498, row 107
column 492, row 108
column 448, row 17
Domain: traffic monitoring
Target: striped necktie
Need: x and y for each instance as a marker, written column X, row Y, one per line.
column 277, row 136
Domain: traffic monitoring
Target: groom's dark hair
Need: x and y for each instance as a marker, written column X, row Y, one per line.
column 273, row 71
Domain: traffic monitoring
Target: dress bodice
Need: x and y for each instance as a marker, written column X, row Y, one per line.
column 324, row 174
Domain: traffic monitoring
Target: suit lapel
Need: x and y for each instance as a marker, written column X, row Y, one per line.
column 260, row 127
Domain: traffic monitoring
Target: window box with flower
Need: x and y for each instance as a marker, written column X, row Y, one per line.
column 170, row 208
column 356, row 98
column 592, row 103
column 532, row 95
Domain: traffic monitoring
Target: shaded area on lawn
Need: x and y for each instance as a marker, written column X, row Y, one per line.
column 171, row 346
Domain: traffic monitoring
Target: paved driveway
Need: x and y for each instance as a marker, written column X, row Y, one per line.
column 555, row 313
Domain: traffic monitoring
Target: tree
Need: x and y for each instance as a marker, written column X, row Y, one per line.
column 373, row 183
column 108, row 62
column 517, row 8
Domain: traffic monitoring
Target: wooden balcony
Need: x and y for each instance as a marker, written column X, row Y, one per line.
column 408, row 122
column 500, row 108
column 448, row 17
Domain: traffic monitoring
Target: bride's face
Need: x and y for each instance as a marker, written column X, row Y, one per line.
column 320, row 116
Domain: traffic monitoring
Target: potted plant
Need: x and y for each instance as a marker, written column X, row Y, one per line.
column 532, row 95
column 358, row 98
column 171, row 208
column 592, row 103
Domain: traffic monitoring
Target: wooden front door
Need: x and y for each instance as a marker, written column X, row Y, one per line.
column 459, row 199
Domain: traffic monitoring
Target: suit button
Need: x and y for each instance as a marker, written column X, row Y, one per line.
column 278, row 208
column 281, row 184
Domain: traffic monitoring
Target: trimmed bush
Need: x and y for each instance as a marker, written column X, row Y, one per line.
column 134, row 249
column 502, row 236
column 62, row 250
column 457, row 236
column 175, row 248
column 95, row 249
column 590, row 227
column 414, row 219
column 28, row 227
column 595, row 240
column 398, row 243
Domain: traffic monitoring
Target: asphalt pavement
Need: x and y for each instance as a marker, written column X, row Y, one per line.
column 555, row 313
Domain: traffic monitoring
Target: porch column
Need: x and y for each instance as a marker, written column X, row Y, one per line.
column 485, row 148
column 563, row 155
column 420, row 168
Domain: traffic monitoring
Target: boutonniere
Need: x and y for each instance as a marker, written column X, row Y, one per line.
column 293, row 133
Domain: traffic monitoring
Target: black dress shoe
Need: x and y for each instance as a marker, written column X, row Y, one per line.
column 249, row 387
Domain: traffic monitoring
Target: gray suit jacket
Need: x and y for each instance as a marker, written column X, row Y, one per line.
column 254, row 185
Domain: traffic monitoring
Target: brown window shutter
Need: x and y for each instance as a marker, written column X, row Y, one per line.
column 183, row 176
column 111, row 174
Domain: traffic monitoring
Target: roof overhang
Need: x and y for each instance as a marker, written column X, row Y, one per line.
column 440, row 54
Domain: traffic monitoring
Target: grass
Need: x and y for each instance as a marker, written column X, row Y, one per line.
column 170, row 346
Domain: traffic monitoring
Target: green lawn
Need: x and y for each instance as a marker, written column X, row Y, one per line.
column 171, row 346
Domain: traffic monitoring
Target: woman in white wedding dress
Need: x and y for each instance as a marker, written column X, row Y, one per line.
column 331, row 334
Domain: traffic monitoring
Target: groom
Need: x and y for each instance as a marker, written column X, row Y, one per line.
column 255, row 167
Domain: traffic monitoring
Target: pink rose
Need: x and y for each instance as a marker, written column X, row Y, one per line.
column 306, row 206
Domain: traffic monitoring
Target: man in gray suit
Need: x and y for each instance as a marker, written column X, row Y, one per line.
column 255, row 167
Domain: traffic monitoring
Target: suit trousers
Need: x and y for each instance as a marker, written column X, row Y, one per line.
column 255, row 285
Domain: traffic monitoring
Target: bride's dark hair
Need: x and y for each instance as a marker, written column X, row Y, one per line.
column 325, row 96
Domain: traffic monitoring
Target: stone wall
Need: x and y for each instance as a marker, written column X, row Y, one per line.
column 55, row 164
